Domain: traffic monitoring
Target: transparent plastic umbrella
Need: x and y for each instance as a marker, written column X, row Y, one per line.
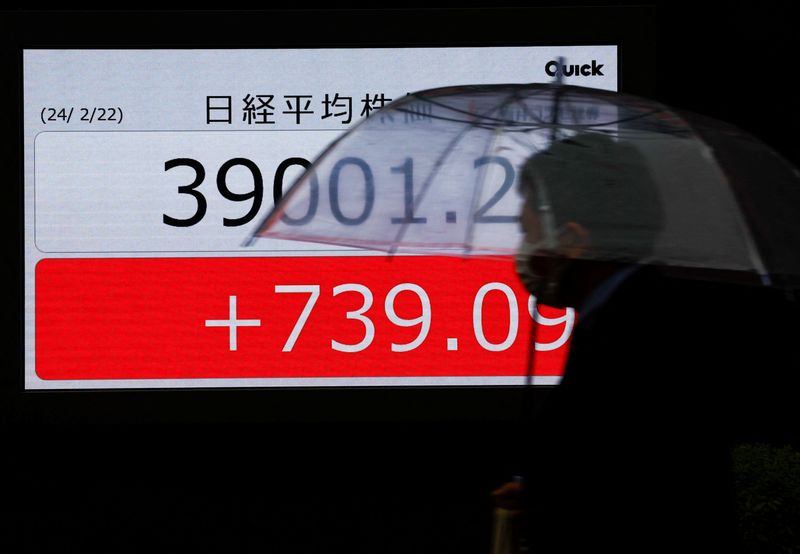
column 438, row 172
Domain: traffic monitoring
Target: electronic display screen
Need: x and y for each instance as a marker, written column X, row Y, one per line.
column 147, row 171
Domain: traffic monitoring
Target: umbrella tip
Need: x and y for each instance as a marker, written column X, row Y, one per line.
column 559, row 80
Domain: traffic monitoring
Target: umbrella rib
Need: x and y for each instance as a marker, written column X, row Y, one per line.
column 525, row 127
column 489, row 123
column 476, row 194
column 472, row 115
column 541, row 124
column 439, row 162
column 279, row 207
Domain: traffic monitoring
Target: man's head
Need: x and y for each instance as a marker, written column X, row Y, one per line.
column 590, row 204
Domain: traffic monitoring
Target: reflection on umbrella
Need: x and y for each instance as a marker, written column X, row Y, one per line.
column 437, row 172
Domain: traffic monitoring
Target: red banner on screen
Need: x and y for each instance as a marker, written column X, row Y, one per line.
column 310, row 317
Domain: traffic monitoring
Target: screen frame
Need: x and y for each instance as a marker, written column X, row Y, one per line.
column 631, row 29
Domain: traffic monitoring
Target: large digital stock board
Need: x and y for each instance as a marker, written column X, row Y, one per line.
column 145, row 172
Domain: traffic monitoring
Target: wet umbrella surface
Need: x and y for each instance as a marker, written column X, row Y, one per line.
column 438, row 172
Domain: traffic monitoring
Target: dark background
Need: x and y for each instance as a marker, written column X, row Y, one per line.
column 336, row 470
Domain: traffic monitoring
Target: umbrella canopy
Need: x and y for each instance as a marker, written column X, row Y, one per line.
column 442, row 171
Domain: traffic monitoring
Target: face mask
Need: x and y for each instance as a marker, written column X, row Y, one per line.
column 541, row 271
